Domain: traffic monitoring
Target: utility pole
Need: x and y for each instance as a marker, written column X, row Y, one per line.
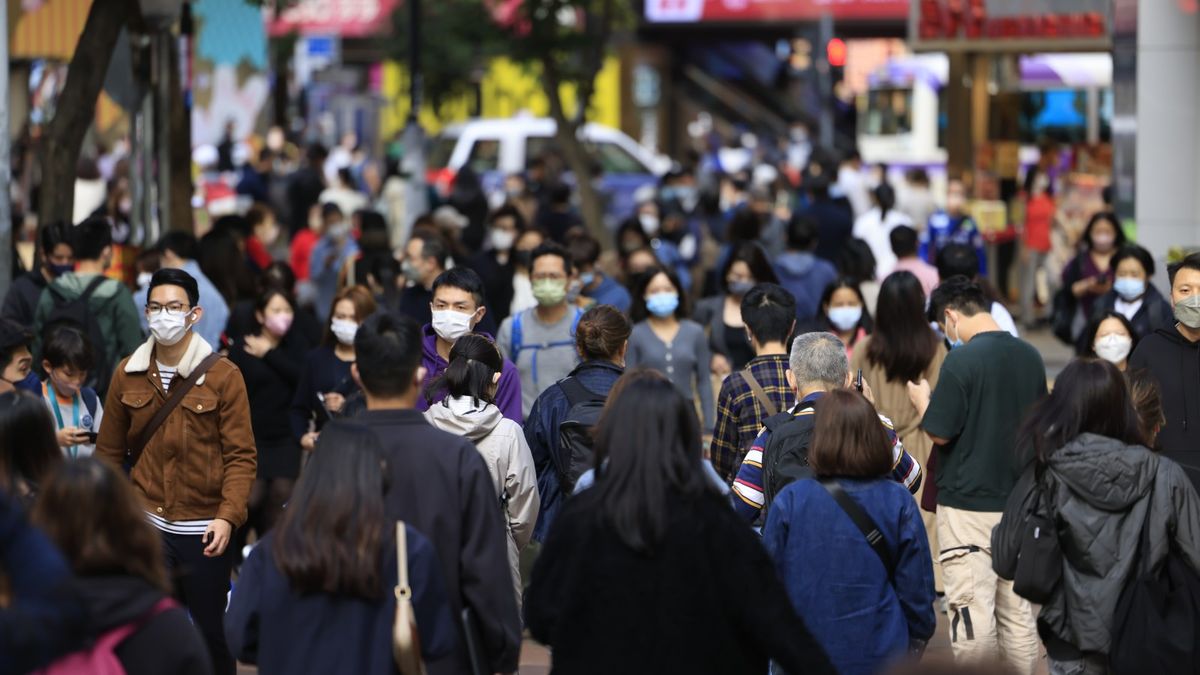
column 6, row 225
column 414, row 137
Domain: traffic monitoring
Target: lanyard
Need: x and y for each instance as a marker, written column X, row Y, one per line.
column 74, row 449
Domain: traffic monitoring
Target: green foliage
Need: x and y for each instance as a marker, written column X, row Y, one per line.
column 457, row 38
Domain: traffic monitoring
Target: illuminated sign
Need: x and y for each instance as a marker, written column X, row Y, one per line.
column 695, row 11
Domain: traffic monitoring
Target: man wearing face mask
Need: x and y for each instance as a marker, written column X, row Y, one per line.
column 985, row 388
column 57, row 259
column 541, row 340
column 178, row 418
column 178, row 250
column 457, row 310
column 1172, row 356
column 329, row 255
column 952, row 226
column 495, row 264
column 594, row 284
column 111, row 317
column 425, row 257
column 16, row 361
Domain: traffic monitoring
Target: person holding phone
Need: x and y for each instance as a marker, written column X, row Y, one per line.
column 67, row 358
column 177, row 418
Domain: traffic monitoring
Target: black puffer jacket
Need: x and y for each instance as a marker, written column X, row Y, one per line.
column 1101, row 492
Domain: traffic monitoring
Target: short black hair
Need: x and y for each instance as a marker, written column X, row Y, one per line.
column 462, row 278
column 551, row 248
column 584, row 249
column 1119, row 237
column 958, row 260
column 169, row 276
column 387, row 351
column 1137, row 253
column 91, row 237
column 66, row 345
column 904, row 241
column 507, row 211
column 433, row 244
column 560, row 194
column 329, row 209
column 182, row 244
column 238, row 226
column 769, row 311
column 801, row 233
column 1087, row 339
column 12, row 336
column 638, row 310
column 53, row 234
column 958, row 293
column 1191, row 262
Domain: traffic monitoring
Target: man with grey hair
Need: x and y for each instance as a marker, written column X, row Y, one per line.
column 818, row 364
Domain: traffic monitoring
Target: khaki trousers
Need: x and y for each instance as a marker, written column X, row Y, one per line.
column 988, row 621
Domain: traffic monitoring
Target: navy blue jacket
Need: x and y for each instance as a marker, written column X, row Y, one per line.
column 1155, row 313
column 323, row 372
column 839, row 586
column 609, row 292
column 541, row 432
column 285, row 631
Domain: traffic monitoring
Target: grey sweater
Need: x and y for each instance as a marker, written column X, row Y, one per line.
column 685, row 361
column 546, row 353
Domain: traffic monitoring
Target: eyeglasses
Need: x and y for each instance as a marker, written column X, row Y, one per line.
column 173, row 308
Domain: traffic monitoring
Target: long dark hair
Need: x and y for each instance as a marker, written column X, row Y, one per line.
column 865, row 322
column 903, row 343
column 1089, row 396
column 331, row 534
column 638, row 311
column 92, row 515
column 474, row 361
column 755, row 258
column 1087, row 339
column 28, row 442
column 647, row 445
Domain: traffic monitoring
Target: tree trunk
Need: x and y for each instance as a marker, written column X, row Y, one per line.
column 590, row 206
column 179, row 136
column 76, row 107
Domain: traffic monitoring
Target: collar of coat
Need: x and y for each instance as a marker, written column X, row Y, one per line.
column 197, row 350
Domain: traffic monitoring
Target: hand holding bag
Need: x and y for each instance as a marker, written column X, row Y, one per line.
column 406, row 641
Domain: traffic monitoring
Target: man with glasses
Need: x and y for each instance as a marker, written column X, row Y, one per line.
column 193, row 463
column 541, row 340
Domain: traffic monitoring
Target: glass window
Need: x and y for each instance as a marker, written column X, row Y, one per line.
column 485, row 156
column 614, row 159
column 440, row 151
column 889, row 112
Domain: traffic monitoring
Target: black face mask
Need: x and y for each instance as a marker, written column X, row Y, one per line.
column 522, row 258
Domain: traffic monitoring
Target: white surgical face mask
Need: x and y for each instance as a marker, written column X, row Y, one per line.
column 1114, row 347
column 344, row 330
column 167, row 328
column 143, row 279
column 502, row 240
column 451, row 325
column 649, row 223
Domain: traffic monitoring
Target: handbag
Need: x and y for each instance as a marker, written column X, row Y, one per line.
column 1039, row 557
column 406, row 642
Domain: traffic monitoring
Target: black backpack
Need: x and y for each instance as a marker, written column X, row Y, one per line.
column 77, row 312
column 785, row 458
column 1156, row 624
column 575, row 441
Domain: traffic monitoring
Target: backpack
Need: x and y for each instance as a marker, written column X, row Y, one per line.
column 575, row 441
column 1064, row 306
column 1156, row 624
column 100, row 658
column 517, row 344
column 785, row 458
column 77, row 312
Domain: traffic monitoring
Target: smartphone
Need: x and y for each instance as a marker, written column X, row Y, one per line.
column 91, row 437
column 858, row 381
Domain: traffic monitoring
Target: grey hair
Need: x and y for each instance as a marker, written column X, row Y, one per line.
column 819, row 358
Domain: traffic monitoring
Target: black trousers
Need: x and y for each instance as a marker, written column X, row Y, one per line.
column 202, row 585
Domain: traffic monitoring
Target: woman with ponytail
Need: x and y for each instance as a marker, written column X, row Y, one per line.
column 469, row 410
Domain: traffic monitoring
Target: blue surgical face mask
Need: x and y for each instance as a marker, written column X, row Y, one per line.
column 956, row 341
column 662, row 304
column 587, row 278
column 845, row 318
column 30, row 383
column 1129, row 288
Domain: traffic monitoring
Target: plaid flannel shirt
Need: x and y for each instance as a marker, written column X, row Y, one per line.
column 740, row 414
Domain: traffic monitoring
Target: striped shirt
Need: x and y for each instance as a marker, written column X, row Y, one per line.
column 748, row 486
column 165, row 375
column 184, row 527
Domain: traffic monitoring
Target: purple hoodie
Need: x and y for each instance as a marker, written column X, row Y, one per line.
column 508, row 392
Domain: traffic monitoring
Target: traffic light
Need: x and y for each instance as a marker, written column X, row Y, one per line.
column 835, row 52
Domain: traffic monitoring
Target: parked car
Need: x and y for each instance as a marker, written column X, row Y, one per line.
column 495, row 148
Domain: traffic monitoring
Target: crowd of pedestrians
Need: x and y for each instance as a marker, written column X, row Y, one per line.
column 748, row 438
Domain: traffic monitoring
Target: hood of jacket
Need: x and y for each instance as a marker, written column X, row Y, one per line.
column 112, row 601
column 72, row 285
column 1104, row 473
column 795, row 263
column 465, row 417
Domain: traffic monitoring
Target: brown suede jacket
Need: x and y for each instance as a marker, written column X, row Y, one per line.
column 201, row 462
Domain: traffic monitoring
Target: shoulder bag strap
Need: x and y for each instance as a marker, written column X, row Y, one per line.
column 862, row 521
column 178, row 391
column 91, row 288
column 402, row 587
column 759, row 393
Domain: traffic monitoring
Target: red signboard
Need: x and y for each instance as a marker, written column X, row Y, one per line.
column 345, row 18
column 693, row 11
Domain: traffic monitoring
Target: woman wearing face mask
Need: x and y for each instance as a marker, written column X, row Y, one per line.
column 325, row 382
column 1111, row 337
column 495, row 264
column 522, row 287
column 469, row 410
column 844, row 313
column 1089, row 274
column 663, row 339
column 722, row 314
column 270, row 360
column 1133, row 295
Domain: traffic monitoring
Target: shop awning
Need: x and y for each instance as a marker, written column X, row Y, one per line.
column 49, row 30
